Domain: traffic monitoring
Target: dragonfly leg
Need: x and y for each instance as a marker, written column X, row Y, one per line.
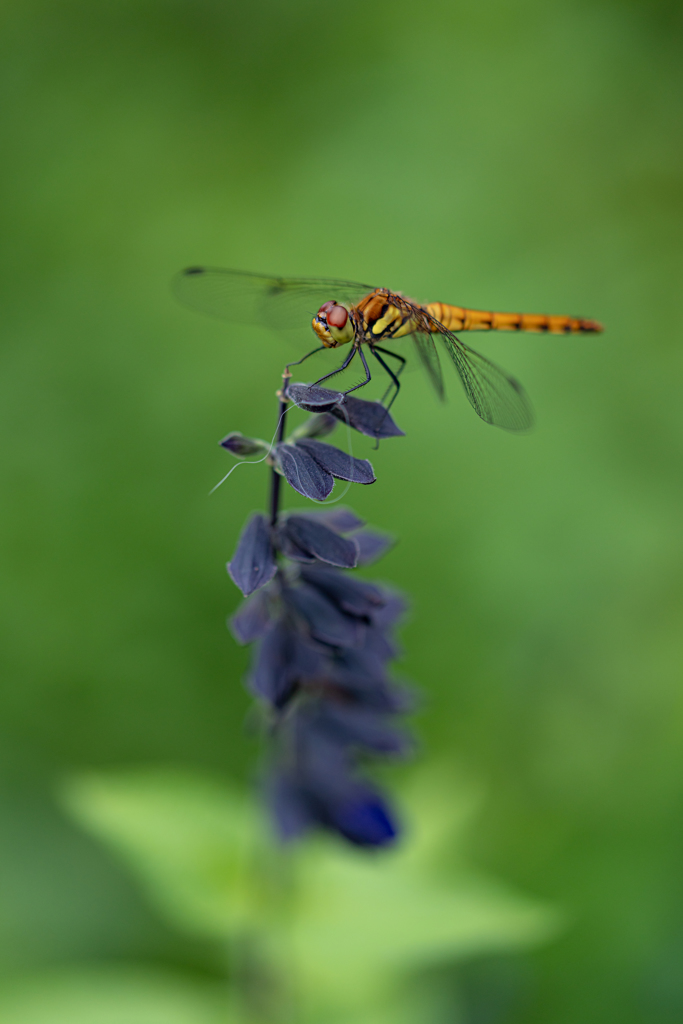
column 299, row 361
column 395, row 382
column 402, row 361
column 339, row 368
column 368, row 377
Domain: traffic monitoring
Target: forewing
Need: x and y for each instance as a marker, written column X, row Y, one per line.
column 429, row 357
column 494, row 395
column 280, row 303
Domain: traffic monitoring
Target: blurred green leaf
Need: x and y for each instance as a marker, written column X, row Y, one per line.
column 192, row 841
column 111, row 996
column 374, row 919
column 350, row 925
column 371, row 920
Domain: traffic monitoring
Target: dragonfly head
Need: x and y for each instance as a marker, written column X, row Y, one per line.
column 333, row 325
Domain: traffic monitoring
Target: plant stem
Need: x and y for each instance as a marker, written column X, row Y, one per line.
column 275, row 476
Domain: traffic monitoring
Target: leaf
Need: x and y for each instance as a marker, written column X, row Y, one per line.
column 303, row 472
column 356, row 925
column 253, row 563
column 338, row 463
column 368, row 922
column 114, row 995
column 190, row 839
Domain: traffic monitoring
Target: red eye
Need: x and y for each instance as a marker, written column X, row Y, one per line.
column 337, row 317
column 326, row 306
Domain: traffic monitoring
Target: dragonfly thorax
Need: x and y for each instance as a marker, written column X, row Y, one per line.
column 333, row 325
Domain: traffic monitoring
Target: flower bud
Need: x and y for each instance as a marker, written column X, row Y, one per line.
column 240, row 446
column 317, row 426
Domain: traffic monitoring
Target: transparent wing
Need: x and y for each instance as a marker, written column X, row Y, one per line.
column 280, row 303
column 494, row 395
column 429, row 357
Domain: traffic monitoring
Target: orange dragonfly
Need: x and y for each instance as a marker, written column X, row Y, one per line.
column 364, row 316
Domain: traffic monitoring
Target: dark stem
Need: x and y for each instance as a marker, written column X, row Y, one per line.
column 275, row 476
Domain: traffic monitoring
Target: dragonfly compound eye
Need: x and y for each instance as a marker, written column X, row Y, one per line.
column 337, row 316
column 333, row 325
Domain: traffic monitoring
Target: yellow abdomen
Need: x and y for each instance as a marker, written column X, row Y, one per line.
column 456, row 318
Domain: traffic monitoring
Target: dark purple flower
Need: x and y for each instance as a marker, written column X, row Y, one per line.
column 339, row 518
column 319, row 425
column 253, row 563
column 372, row 545
column 338, row 463
column 369, row 418
column 314, row 782
column 239, row 445
column 314, row 399
column 314, row 538
column 324, row 620
column 358, row 812
column 352, row 596
column 321, row 665
column 284, row 661
column 303, row 472
column 253, row 619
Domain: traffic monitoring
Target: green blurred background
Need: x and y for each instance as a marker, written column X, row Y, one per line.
column 500, row 155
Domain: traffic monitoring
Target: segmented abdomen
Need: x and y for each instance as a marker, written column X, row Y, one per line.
column 455, row 318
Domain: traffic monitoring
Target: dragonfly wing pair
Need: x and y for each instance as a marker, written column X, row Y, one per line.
column 284, row 303
column 496, row 396
column 280, row 303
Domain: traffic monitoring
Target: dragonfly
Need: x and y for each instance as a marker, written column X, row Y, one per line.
column 369, row 318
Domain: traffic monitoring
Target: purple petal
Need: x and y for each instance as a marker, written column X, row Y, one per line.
column 242, row 446
column 283, row 660
column 303, row 472
column 316, row 538
column 364, row 819
column 369, row 418
column 289, row 807
column 326, row 622
column 372, row 545
column 353, row 596
column 338, row 463
column 253, row 563
column 288, row 547
column 314, row 399
column 318, row 426
column 360, row 726
column 341, row 519
column 252, row 620
column 394, row 608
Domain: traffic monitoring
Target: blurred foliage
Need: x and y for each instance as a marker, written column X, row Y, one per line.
column 518, row 156
column 336, row 930
column 122, row 995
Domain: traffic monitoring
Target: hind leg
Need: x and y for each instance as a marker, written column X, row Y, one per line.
column 395, row 382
